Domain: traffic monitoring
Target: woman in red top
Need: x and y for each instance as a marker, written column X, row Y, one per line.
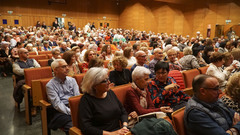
column 89, row 54
column 139, row 99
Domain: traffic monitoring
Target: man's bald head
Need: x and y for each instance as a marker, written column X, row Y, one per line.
column 23, row 54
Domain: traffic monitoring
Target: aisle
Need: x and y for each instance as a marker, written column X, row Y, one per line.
column 12, row 122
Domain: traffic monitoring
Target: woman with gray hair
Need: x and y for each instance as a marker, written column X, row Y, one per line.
column 188, row 61
column 139, row 99
column 100, row 108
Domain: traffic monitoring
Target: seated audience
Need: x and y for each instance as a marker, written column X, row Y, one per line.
column 173, row 62
column 55, row 55
column 89, row 54
column 107, row 52
column 164, row 89
column 76, row 49
column 120, row 75
column 96, row 62
column 5, row 60
column 63, row 47
column 138, row 99
column 228, row 58
column 141, row 60
column 70, row 58
column 158, row 56
column 236, row 55
column 231, row 96
column 135, row 48
column 188, row 61
column 128, row 53
column 205, row 114
column 145, row 49
column 197, row 53
column 46, row 46
column 100, row 110
column 52, row 42
column 222, row 47
column 208, row 50
column 59, row 90
column 18, row 69
column 14, row 51
column 22, row 63
column 215, row 69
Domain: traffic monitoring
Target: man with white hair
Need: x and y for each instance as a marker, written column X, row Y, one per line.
column 52, row 42
column 59, row 90
column 63, row 47
column 55, row 55
column 158, row 56
column 141, row 60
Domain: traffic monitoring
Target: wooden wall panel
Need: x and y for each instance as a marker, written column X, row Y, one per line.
column 79, row 11
column 185, row 18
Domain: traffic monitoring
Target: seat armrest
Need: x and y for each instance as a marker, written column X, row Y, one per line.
column 44, row 103
column 75, row 131
column 25, row 87
column 188, row 91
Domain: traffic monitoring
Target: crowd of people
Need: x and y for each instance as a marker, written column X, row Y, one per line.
column 145, row 64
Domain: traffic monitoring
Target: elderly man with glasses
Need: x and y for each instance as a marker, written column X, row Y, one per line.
column 59, row 90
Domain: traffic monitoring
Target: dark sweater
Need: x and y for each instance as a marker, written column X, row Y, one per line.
column 119, row 78
column 98, row 114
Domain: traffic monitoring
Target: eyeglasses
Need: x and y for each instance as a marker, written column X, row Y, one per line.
column 217, row 88
column 105, row 81
column 143, row 56
column 64, row 66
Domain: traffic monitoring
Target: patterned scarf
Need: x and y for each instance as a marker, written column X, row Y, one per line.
column 142, row 94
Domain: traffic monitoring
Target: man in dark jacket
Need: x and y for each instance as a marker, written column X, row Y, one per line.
column 205, row 114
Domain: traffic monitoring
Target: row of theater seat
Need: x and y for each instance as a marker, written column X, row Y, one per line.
column 35, row 87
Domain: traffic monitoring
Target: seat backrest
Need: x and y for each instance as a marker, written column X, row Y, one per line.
column 37, row 73
column 49, row 56
column 37, row 57
column 43, row 63
column 43, row 83
column 32, row 53
column 177, row 119
column 188, row 77
column 132, row 42
column 177, row 75
column 37, row 91
column 44, row 52
column 79, row 78
column 74, row 103
column 203, row 70
column 121, row 91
